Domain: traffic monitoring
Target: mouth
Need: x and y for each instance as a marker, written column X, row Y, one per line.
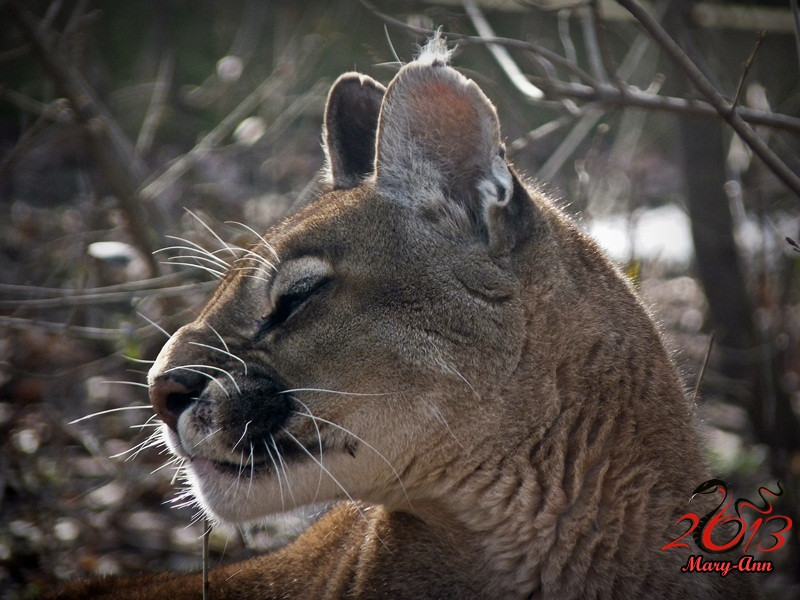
column 278, row 457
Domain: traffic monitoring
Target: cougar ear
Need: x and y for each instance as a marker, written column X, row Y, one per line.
column 439, row 148
column 351, row 121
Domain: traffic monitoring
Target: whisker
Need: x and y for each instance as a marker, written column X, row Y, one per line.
column 336, row 481
column 178, row 471
column 277, row 475
column 152, row 440
column 257, row 257
column 169, row 463
column 267, row 245
column 221, row 339
column 198, row 253
column 187, row 367
column 283, row 468
column 227, row 352
column 203, row 439
column 333, row 392
column 134, row 383
column 105, row 412
column 139, row 360
column 193, row 257
column 199, row 248
column 314, row 417
column 147, row 423
column 252, row 472
column 204, row 374
column 154, row 324
column 244, row 433
column 212, row 232
column 215, row 273
column 264, row 279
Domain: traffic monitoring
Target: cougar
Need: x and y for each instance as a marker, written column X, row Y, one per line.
column 435, row 346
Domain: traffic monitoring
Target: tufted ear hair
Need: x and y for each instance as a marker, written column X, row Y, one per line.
column 439, row 147
column 351, row 121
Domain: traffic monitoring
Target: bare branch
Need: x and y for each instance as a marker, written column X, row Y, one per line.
column 130, row 286
column 155, row 109
column 464, row 40
column 633, row 96
column 748, row 63
column 725, row 110
column 112, row 149
column 589, row 26
column 500, row 54
column 93, row 299
column 90, row 333
column 796, row 15
column 225, row 127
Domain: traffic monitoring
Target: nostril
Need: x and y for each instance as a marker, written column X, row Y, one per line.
column 176, row 403
column 170, row 397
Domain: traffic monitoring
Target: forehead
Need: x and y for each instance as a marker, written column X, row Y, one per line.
column 334, row 223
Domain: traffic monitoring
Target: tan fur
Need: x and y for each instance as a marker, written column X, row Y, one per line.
column 499, row 404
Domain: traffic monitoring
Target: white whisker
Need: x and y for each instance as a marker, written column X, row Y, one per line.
column 277, row 475
column 139, row 360
column 244, row 433
column 203, row 439
column 267, row 245
column 257, row 257
column 227, row 352
column 134, row 383
column 215, row 273
column 252, row 472
column 333, row 392
column 110, row 410
column 315, row 418
column 285, row 471
column 212, row 232
column 154, row 324
column 333, row 478
column 221, row 339
column 190, row 367
column 198, row 247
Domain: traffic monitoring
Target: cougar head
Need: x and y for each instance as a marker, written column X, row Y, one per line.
column 362, row 346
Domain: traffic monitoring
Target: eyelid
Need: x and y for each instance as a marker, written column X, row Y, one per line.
column 304, row 289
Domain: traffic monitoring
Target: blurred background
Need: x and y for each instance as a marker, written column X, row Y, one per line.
column 124, row 123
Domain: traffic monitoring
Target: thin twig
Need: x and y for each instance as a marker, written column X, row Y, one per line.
column 155, row 109
column 89, row 333
column 563, row 33
column 105, row 297
column 224, row 128
column 747, row 64
column 130, row 286
column 796, row 15
column 633, row 96
column 702, row 369
column 593, row 91
column 725, row 110
column 464, row 40
column 589, row 26
column 569, row 144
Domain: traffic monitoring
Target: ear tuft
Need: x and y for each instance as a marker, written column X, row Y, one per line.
column 351, row 122
column 435, row 52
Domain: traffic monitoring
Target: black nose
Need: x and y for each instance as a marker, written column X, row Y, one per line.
column 171, row 394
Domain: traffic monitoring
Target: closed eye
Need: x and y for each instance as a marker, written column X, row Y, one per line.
column 292, row 300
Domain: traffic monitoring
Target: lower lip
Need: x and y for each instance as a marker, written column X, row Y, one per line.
column 205, row 467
